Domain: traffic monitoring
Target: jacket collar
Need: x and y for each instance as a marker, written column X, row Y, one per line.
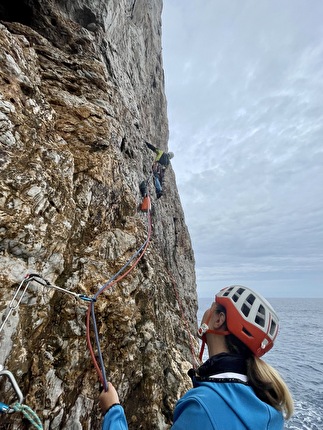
column 219, row 364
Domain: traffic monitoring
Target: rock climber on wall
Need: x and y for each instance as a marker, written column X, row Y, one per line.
column 161, row 162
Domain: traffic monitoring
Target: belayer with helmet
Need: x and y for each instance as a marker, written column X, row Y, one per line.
column 234, row 389
column 161, row 162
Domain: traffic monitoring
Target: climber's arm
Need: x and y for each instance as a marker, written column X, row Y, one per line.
column 150, row 146
column 114, row 418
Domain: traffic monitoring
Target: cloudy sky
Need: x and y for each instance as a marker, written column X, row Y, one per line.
column 244, row 85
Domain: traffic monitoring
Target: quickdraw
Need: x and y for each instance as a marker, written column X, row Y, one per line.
column 13, row 305
column 33, row 277
column 22, row 288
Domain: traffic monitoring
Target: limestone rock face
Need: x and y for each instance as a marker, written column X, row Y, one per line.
column 81, row 88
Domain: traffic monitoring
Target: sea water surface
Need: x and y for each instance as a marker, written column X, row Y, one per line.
column 298, row 356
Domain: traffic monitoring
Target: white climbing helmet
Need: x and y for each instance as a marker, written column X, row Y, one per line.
column 170, row 155
column 250, row 317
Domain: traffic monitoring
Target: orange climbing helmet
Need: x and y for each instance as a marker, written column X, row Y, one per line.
column 250, row 318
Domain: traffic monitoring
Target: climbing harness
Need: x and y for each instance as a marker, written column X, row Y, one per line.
column 122, row 273
column 18, row 406
column 157, row 174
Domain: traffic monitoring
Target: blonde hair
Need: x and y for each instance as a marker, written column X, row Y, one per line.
column 269, row 386
column 266, row 381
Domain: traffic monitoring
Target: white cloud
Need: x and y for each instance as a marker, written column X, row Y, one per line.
column 244, row 83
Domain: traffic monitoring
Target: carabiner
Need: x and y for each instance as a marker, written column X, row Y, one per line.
column 4, row 409
column 15, row 387
column 86, row 298
column 15, row 302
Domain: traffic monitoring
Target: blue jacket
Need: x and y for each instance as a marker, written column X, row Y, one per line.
column 224, row 406
column 115, row 419
column 220, row 400
column 213, row 406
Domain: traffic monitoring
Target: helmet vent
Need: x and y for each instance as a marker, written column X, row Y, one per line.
column 245, row 309
column 246, row 332
column 227, row 292
column 251, row 298
column 235, row 297
column 273, row 326
column 260, row 317
column 237, row 294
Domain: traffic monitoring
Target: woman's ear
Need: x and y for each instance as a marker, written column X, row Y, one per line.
column 220, row 320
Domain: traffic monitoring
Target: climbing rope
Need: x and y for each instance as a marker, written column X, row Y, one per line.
column 28, row 413
column 122, row 273
column 90, row 316
column 23, row 287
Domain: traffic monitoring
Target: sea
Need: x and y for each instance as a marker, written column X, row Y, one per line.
column 298, row 356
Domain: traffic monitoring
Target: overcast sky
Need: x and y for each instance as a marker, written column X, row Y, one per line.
column 244, row 86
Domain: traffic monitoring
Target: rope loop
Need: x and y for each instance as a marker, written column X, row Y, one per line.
column 28, row 413
column 122, row 273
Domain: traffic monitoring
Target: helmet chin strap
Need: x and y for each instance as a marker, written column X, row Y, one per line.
column 203, row 331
